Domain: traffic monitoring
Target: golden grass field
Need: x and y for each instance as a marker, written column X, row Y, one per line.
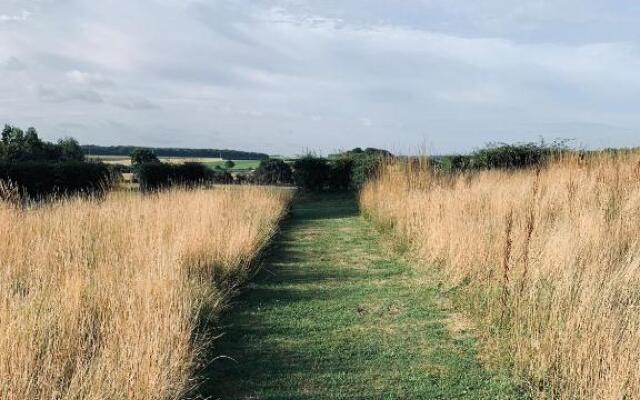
column 548, row 262
column 101, row 299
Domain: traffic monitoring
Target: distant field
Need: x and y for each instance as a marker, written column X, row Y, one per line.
column 125, row 160
column 240, row 165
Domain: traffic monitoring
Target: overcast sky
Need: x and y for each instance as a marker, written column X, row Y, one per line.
column 285, row 76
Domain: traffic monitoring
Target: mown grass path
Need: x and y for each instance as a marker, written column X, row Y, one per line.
column 336, row 314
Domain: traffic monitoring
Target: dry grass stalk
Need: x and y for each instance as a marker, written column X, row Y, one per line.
column 573, row 325
column 100, row 299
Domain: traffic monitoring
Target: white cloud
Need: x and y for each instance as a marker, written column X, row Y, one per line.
column 88, row 79
column 288, row 75
column 23, row 16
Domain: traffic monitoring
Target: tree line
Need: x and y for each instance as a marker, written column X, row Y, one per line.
column 95, row 150
column 17, row 145
column 31, row 168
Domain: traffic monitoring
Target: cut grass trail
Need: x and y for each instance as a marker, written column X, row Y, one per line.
column 337, row 314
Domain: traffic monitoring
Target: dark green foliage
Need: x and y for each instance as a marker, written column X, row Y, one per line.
column 228, row 164
column 175, row 152
column 143, row 156
column 311, row 173
column 241, row 179
column 273, row 172
column 155, row 176
column 357, row 152
column 340, row 173
column 455, row 162
column 221, row 177
column 364, row 168
column 190, row 173
column 40, row 179
column 70, row 149
column 509, row 156
column 502, row 156
column 18, row 146
column 343, row 171
column 120, row 168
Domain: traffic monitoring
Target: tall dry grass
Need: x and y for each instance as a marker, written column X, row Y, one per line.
column 101, row 299
column 548, row 259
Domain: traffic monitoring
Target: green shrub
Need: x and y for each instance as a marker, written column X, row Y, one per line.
column 39, row 180
column 143, row 156
column 364, row 168
column 509, row 156
column 340, row 173
column 155, row 176
column 455, row 162
column 502, row 156
column 272, row 172
column 311, row 173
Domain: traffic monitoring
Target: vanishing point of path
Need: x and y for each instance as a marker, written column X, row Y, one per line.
column 337, row 314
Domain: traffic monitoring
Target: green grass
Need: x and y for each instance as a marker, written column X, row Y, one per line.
column 337, row 314
column 241, row 165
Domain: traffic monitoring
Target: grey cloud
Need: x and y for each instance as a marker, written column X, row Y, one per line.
column 62, row 95
column 134, row 103
column 13, row 64
column 89, row 79
column 285, row 75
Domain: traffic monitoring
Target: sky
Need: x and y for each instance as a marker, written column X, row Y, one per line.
column 290, row 76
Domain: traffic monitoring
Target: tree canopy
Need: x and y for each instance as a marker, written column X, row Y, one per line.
column 18, row 145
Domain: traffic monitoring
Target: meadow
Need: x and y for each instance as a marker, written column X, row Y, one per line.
column 105, row 298
column 546, row 261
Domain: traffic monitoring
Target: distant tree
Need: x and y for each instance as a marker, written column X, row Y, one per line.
column 6, row 133
column 32, row 147
column 13, row 143
column 70, row 149
column 17, row 145
column 143, row 156
column 273, row 171
column 175, row 152
column 228, row 164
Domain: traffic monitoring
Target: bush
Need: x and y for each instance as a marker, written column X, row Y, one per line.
column 455, row 162
column 190, row 173
column 509, row 156
column 364, row 168
column 143, row 156
column 311, row 173
column 221, row 177
column 340, row 173
column 154, row 176
column 157, row 175
column 38, row 179
column 503, row 156
column 273, row 172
